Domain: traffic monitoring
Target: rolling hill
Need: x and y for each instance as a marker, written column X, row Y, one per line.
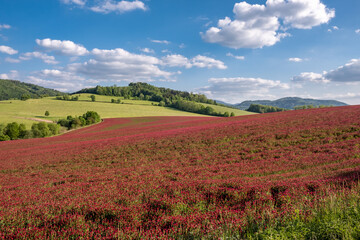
column 137, row 100
column 290, row 103
column 292, row 175
column 26, row 111
column 12, row 89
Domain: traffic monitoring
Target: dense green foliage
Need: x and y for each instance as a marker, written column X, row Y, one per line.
column 310, row 107
column 115, row 100
column 10, row 89
column 87, row 118
column 290, row 103
column 13, row 131
column 195, row 108
column 66, row 97
column 144, row 91
column 258, row 108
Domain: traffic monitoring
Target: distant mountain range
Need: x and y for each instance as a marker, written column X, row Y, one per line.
column 288, row 103
column 11, row 89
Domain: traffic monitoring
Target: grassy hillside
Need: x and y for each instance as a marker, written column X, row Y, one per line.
column 182, row 100
column 21, row 111
column 11, row 89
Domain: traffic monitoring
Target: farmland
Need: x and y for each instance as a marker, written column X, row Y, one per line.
column 24, row 111
column 290, row 174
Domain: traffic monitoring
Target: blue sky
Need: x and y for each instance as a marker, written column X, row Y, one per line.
column 229, row 50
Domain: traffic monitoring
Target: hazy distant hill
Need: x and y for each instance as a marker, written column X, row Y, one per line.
column 10, row 89
column 290, row 103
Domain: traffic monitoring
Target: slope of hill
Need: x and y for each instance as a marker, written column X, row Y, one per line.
column 181, row 100
column 26, row 111
column 188, row 178
column 11, row 89
column 290, row 103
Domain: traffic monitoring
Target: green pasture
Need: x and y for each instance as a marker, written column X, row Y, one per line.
column 21, row 111
column 223, row 109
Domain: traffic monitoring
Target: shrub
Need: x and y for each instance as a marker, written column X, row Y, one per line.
column 91, row 117
column 12, row 130
column 87, row 118
column 54, row 128
column 22, row 130
column 4, row 137
column 47, row 113
column 40, row 130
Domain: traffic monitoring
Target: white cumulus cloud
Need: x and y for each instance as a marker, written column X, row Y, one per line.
column 13, row 74
column 122, row 55
column 207, row 62
column 147, row 50
column 160, row 41
column 76, row 2
column 256, row 26
column 12, row 60
column 108, row 6
column 43, row 56
column 58, row 79
column 177, row 60
column 4, row 26
column 295, row 59
column 357, row 31
column 348, row 73
column 236, row 57
column 234, row 90
column 121, row 65
column 8, row 50
column 65, row 47
column 310, row 77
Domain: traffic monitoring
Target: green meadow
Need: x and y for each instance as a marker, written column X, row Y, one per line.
column 22, row 111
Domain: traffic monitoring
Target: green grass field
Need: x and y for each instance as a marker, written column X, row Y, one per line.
column 21, row 111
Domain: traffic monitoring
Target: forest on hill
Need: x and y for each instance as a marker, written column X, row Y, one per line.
column 145, row 91
column 290, row 103
column 12, row 89
column 166, row 97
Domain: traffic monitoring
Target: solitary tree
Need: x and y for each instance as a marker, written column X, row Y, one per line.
column 93, row 98
column 47, row 113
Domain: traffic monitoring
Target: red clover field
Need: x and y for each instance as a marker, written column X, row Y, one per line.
column 288, row 175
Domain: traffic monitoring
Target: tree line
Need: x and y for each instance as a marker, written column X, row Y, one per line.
column 310, row 107
column 145, row 91
column 258, row 108
column 14, row 130
column 188, row 106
